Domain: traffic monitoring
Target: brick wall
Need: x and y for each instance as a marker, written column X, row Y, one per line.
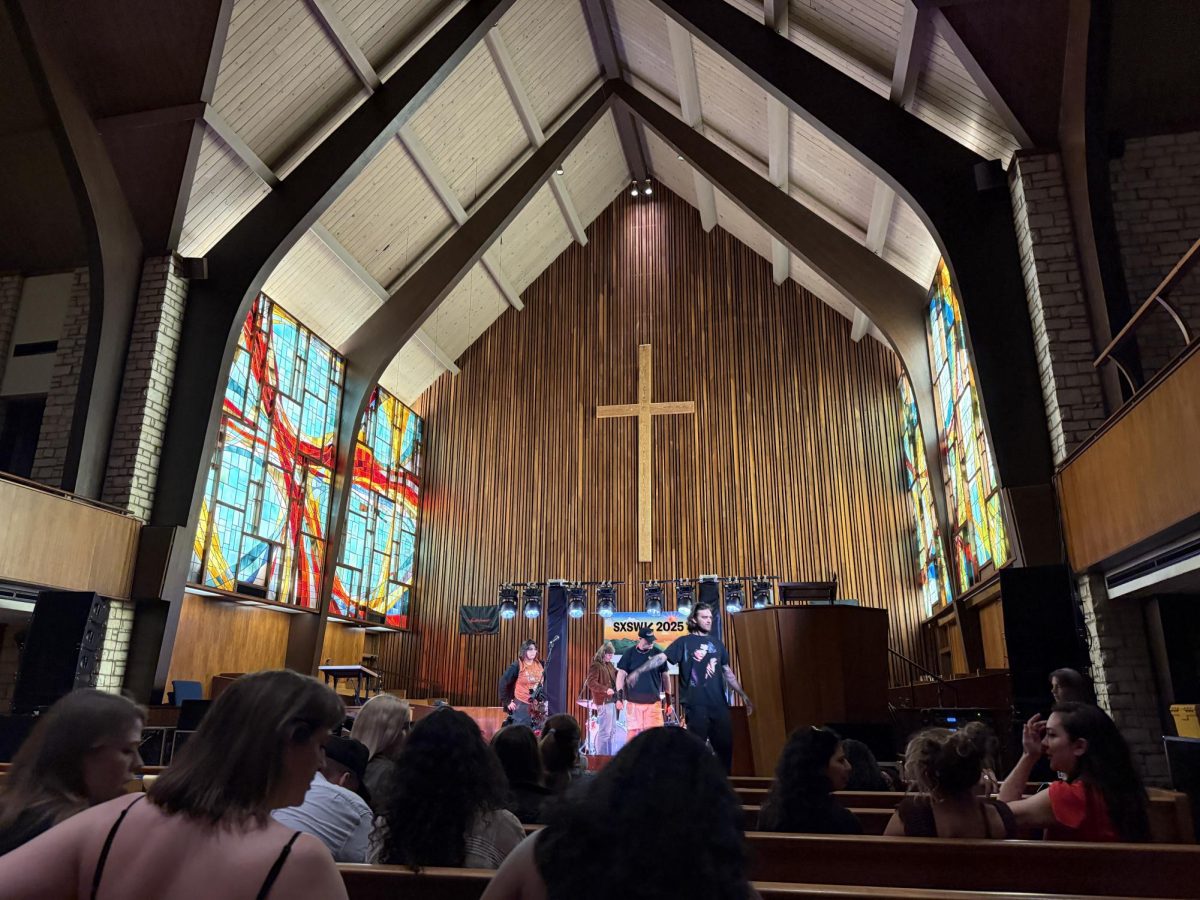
column 1156, row 204
column 10, row 302
column 115, row 651
column 1053, row 287
column 1118, row 648
column 51, row 453
column 145, row 394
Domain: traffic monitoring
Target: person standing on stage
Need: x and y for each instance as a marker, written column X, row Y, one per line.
column 704, row 671
column 601, row 683
column 643, row 695
column 519, row 681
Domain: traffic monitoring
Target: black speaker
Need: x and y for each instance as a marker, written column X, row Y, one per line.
column 62, row 651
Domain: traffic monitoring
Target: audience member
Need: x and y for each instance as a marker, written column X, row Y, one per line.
column 447, row 808
column 811, row 767
column 517, row 749
column 81, row 753
column 560, row 751
column 1102, row 798
column 335, row 809
column 865, row 774
column 381, row 726
column 204, row 829
column 1067, row 685
column 946, row 767
column 664, row 793
column 988, row 745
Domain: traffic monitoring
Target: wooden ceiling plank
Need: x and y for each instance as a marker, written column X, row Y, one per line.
column 525, row 112
column 344, row 38
column 860, row 327
column 688, row 85
column 437, row 181
column 985, row 84
column 779, row 141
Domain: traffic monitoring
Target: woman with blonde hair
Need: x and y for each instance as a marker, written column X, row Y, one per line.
column 602, row 689
column 381, row 726
column 946, row 767
column 81, row 753
column 204, row 829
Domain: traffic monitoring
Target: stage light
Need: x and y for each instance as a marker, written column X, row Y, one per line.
column 685, row 597
column 652, row 594
column 646, row 190
column 532, row 601
column 634, row 191
column 735, row 600
column 559, row 170
column 606, row 600
column 679, row 156
column 760, row 594
column 576, row 601
column 508, row 601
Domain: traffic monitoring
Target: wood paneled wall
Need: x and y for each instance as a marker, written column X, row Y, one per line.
column 1137, row 477
column 65, row 543
column 791, row 465
column 343, row 645
column 218, row 636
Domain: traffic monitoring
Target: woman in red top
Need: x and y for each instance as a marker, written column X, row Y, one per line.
column 1102, row 799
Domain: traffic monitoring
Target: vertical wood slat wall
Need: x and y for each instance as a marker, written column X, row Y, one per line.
column 791, row 465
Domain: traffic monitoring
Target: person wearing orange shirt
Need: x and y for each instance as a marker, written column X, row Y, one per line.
column 519, row 682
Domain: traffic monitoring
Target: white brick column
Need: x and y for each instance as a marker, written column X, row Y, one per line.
column 10, row 302
column 115, row 651
column 1118, row 648
column 149, row 374
column 51, row 453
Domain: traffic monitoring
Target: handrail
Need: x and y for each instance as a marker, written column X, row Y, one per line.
column 1181, row 268
column 66, row 495
column 937, row 679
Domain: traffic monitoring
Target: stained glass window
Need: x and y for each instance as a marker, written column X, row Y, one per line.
column 264, row 517
column 375, row 575
column 931, row 566
column 979, row 534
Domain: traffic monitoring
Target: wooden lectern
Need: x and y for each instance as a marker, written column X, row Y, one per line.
column 809, row 665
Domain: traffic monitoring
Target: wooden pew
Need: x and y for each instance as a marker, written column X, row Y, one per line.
column 364, row 882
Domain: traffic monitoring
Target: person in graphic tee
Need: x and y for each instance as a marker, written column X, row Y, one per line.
column 704, row 671
column 643, row 703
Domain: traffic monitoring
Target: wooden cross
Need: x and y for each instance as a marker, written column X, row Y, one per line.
column 644, row 409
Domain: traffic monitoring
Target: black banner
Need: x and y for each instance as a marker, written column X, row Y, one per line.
column 479, row 620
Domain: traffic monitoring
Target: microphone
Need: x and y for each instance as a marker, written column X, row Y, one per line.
column 554, row 640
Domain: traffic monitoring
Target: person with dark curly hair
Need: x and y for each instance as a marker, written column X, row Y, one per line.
column 81, row 753
column 1102, row 798
column 516, row 746
column 865, row 774
column 520, row 682
column 663, row 792
column 447, row 806
column 811, row 767
column 946, row 766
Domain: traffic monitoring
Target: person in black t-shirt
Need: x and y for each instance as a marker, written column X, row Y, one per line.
column 704, row 671
column 643, row 699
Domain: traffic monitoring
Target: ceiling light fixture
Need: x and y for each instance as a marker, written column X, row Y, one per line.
column 646, row 190
column 634, row 191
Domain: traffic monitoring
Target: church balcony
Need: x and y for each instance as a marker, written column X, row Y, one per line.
column 60, row 541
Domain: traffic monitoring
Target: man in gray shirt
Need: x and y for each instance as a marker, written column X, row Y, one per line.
column 334, row 809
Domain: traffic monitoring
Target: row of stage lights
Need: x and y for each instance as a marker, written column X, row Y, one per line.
column 733, row 594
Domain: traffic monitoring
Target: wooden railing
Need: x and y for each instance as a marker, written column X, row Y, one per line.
column 1158, row 300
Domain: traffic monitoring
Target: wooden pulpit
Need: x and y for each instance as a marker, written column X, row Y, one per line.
column 810, row 665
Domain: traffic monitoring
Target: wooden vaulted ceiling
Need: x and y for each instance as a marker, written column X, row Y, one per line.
column 291, row 70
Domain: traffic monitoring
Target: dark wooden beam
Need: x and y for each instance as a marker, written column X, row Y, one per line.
column 894, row 302
column 936, row 176
column 239, row 265
column 114, row 249
column 374, row 343
column 595, row 13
